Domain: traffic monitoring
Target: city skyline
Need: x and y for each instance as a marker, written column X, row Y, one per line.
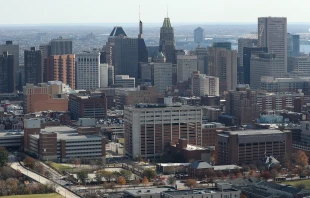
column 93, row 11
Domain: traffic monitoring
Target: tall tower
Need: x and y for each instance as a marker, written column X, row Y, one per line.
column 272, row 33
column 167, row 42
column 7, row 73
column 142, row 51
column 33, row 66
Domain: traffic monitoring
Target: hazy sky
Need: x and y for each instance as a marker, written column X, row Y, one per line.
column 152, row 11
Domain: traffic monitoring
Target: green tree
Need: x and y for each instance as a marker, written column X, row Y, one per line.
column 171, row 180
column 4, row 155
column 98, row 176
column 107, row 175
column 149, row 173
column 126, row 174
column 82, row 176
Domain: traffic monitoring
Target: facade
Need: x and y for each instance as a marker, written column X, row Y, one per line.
column 251, row 146
column 293, row 45
column 202, row 59
column 265, row 65
column 244, row 42
column 12, row 139
column 33, row 66
column 44, row 97
column 7, row 73
column 142, row 51
column 161, row 74
column 88, row 105
column 60, row 46
column 272, row 33
column 299, row 65
column 271, row 84
column 14, row 50
column 124, row 81
column 150, row 128
column 204, row 85
column 249, row 52
column 167, row 42
column 61, row 68
column 104, row 75
column 45, row 53
column 133, row 96
column 199, row 35
column 110, row 75
column 186, row 66
column 222, row 63
column 88, row 70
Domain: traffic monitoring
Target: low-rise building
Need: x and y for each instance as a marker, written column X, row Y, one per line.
column 124, row 81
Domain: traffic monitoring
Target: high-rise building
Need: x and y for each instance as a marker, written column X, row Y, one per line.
column 61, row 68
column 204, row 85
column 161, row 74
column 199, row 35
column 45, row 53
column 202, row 59
column 110, row 75
column 299, row 65
column 124, row 81
column 14, row 50
column 104, row 75
column 226, row 45
column 249, row 52
column 272, row 33
column 149, row 129
column 222, row 63
column 88, row 70
column 186, row 66
column 293, row 45
column 167, row 42
column 33, row 66
column 7, row 73
column 278, row 85
column 265, row 65
column 142, row 51
column 60, row 46
column 244, row 42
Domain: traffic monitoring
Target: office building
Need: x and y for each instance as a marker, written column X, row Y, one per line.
column 265, row 65
column 14, row 50
column 293, row 45
column 61, row 68
column 222, row 63
column 167, row 42
column 33, row 66
column 84, row 105
column 44, row 97
column 88, row 70
column 202, row 59
column 272, row 33
column 186, row 66
column 249, row 52
column 161, row 74
column 110, row 44
column 244, row 42
column 45, row 53
column 199, row 35
column 252, row 146
column 7, row 73
column 299, row 65
column 60, row 46
column 124, row 81
column 110, row 75
column 271, row 84
column 104, row 75
column 204, row 85
column 142, row 50
column 150, row 128
column 133, row 96
column 226, row 45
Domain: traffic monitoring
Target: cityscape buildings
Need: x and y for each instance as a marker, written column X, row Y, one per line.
column 186, row 65
column 167, row 41
column 242, row 43
column 60, row 46
column 199, row 35
column 33, row 66
column 7, row 73
column 204, row 85
column 124, row 81
column 14, row 50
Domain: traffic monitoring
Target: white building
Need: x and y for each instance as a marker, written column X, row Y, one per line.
column 104, row 75
column 272, row 33
column 205, row 85
column 88, row 70
column 124, row 81
column 186, row 66
column 162, row 76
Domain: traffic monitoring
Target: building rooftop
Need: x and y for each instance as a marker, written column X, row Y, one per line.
column 10, row 133
column 198, row 191
column 255, row 132
column 200, row 165
column 118, row 31
column 226, row 167
column 140, row 192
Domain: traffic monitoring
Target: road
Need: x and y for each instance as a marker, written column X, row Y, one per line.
column 59, row 189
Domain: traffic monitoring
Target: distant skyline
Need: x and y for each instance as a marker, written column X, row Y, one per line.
column 127, row 11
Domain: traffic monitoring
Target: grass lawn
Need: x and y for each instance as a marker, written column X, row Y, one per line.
column 306, row 182
column 60, row 167
column 53, row 195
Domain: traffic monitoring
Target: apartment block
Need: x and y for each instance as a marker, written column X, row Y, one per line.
column 204, row 85
column 186, row 66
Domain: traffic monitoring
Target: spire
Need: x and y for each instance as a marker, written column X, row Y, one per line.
column 167, row 23
column 140, row 26
column 167, row 11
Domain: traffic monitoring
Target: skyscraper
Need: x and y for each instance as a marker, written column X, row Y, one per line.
column 161, row 76
column 198, row 35
column 61, row 68
column 293, row 46
column 7, row 73
column 142, row 51
column 33, row 66
column 45, row 53
column 186, row 66
column 88, row 70
column 61, row 46
column 204, row 85
column 167, row 42
column 244, row 42
column 14, row 50
column 272, row 33
column 202, row 59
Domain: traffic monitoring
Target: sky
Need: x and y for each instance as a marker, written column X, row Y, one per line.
column 119, row 12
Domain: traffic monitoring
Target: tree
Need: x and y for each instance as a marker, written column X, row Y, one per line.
column 39, row 168
column 145, row 181
column 121, row 181
column 274, row 173
column 171, row 180
column 191, row 183
column 115, row 175
column 4, row 155
column 98, row 176
column 29, row 162
column 149, row 173
column 82, row 176
column 76, row 162
column 107, row 175
column 301, row 159
column 266, row 175
column 126, row 174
